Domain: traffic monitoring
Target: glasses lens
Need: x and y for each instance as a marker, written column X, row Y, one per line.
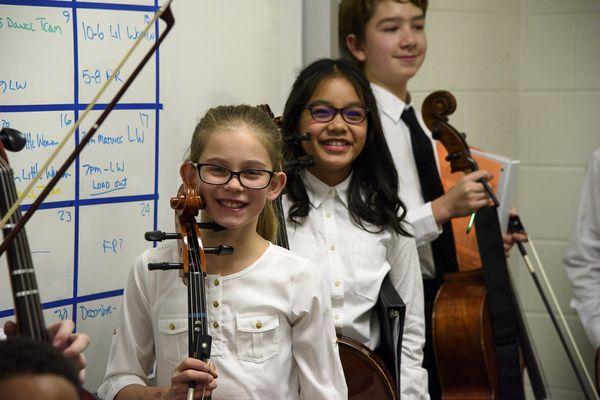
column 322, row 113
column 214, row 174
column 354, row 115
column 255, row 179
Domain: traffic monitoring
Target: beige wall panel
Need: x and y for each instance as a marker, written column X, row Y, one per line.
column 552, row 356
column 548, row 200
column 466, row 54
column 551, row 254
column 587, row 52
column 560, row 128
column 559, row 6
column 546, row 52
column 505, row 6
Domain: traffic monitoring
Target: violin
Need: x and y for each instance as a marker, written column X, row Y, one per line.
column 187, row 204
column 367, row 376
column 479, row 332
column 26, row 296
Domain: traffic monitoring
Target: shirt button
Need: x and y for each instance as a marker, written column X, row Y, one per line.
column 332, row 248
column 338, row 283
column 337, row 317
column 216, row 282
column 259, row 325
column 215, row 324
column 328, row 215
column 114, row 331
column 172, row 326
column 215, row 304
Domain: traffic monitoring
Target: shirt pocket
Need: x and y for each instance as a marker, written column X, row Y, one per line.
column 257, row 336
column 172, row 338
column 369, row 266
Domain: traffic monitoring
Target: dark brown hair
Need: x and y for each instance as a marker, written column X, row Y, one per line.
column 373, row 199
column 353, row 16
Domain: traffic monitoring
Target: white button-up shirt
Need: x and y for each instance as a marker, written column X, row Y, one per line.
column 271, row 328
column 356, row 262
column 582, row 261
column 397, row 134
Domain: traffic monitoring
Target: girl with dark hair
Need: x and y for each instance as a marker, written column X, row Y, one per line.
column 344, row 212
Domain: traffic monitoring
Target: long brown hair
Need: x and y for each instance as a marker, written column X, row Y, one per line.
column 232, row 117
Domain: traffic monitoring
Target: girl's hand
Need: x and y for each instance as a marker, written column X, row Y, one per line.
column 464, row 198
column 190, row 370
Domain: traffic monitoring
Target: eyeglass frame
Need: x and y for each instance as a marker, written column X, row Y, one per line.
column 234, row 173
column 337, row 111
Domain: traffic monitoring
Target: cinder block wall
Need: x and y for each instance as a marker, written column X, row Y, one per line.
column 526, row 75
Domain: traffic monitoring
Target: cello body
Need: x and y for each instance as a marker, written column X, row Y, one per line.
column 462, row 332
column 479, row 333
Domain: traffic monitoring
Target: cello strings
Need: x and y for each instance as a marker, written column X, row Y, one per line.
column 18, row 280
column 562, row 318
column 32, row 304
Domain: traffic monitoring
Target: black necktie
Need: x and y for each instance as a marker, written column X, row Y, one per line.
column 444, row 253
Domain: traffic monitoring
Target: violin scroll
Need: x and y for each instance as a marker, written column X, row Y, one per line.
column 188, row 202
column 436, row 109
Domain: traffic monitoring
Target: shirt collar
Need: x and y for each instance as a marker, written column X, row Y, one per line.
column 388, row 103
column 319, row 191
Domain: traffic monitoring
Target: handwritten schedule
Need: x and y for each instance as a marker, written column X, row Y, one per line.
column 57, row 56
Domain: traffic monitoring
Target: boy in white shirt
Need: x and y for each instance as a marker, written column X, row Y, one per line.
column 388, row 39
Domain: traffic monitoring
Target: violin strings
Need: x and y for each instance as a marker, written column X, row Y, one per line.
column 563, row 319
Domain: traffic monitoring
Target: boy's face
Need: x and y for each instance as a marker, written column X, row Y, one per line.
column 394, row 44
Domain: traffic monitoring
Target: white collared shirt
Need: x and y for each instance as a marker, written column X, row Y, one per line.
column 356, row 262
column 397, row 134
column 582, row 260
column 271, row 328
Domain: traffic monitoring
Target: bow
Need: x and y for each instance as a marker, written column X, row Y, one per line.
column 163, row 13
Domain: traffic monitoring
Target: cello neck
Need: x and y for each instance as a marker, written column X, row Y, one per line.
column 28, row 309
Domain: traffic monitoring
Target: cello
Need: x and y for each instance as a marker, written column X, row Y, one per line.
column 479, row 333
column 367, row 376
column 186, row 205
column 26, row 297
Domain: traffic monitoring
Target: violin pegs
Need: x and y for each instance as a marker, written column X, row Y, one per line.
column 12, row 139
column 453, row 156
column 301, row 137
column 221, row 250
column 164, row 266
column 159, row 236
column 436, row 133
column 464, row 135
column 210, row 225
column 306, row 161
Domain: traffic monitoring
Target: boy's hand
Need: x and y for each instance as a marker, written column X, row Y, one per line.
column 510, row 238
column 464, row 198
column 190, row 370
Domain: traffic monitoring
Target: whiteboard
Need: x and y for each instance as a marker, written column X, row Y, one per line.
column 57, row 55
